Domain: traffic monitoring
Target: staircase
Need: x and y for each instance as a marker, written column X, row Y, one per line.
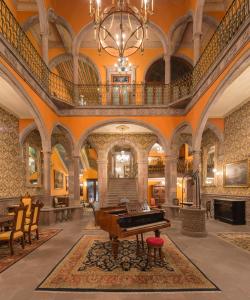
column 120, row 188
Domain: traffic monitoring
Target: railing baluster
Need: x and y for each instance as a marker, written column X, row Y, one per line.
column 65, row 90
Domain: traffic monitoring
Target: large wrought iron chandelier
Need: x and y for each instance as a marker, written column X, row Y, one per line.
column 121, row 28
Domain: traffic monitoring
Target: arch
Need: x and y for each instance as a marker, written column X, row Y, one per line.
column 184, row 19
column 31, row 21
column 68, row 134
column 26, row 131
column 163, row 140
column 78, row 38
column 153, row 60
column 161, row 35
column 59, row 59
column 124, row 142
column 15, row 84
column 54, row 18
column 185, row 57
column 239, row 67
column 178, row 129
column 157, row 29
column 219, row 134
column 211, row 21
column 66, row 56
column 175, row 146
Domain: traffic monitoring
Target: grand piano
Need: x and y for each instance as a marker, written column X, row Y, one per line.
column 129, row 220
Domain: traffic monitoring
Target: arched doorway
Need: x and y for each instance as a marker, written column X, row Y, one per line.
column 122, row 162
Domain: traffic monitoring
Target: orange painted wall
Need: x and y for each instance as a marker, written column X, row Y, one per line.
column 188, row 52
column 218, row 122
column 23, row 123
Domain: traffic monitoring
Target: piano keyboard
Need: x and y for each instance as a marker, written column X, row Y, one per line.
column 145, row 226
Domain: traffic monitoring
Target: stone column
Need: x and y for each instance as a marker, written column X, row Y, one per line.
column 170, row 179
column 45, row 47
column 76, row 167
column 143, row 177
column 102, row 164
column 196, row 167
column 197, row 46
column 76, row 78
column 167, row 59
column 196, row 160
column 47, row 177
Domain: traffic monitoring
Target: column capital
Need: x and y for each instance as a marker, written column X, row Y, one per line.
column 76, row 156
column 196, row 152
column 197, row 35
column 166, row 56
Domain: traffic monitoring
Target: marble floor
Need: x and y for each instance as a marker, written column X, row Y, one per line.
column 226, row 265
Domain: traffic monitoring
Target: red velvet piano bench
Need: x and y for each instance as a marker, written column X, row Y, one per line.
column 154, row 244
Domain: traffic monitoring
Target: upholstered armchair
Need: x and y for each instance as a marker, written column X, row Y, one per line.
column 34, row 220
column 17, row 231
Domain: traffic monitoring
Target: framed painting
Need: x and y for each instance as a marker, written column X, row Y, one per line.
column 236, row 174
column 120, row 79
column 58, row 180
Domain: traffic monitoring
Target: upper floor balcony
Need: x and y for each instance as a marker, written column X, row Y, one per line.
column 17, row 49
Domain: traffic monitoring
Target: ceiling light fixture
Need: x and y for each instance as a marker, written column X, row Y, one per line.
column 121, row 27
column 123, row 65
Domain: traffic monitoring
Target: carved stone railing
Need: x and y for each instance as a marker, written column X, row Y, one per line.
column 156, row 171
column 64, row 91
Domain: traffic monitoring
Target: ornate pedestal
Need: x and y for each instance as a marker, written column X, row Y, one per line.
column 193, row 222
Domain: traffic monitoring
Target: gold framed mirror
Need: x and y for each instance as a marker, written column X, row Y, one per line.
column 33, row 166
column 210, row 165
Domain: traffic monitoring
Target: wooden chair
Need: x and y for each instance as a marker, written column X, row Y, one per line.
column 17, row 231
column 34, row 220
column 27, row 202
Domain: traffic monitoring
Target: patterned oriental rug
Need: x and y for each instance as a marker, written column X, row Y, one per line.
column 90, row 266
column 6, row 260
column 240, row 239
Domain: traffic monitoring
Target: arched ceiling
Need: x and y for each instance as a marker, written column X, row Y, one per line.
column 59, row 37
column 89, row 41
column 234, row 96
column 12, row 102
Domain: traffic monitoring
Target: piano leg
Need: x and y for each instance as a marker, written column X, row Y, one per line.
column 157, row 233
column 115, row 245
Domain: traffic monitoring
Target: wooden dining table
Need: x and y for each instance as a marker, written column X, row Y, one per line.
column 5, row 220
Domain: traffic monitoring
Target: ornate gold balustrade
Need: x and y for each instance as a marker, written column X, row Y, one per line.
column 65, row 91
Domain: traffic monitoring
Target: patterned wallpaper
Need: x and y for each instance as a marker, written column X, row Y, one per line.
column 236, row 146
column 12, row 162
column 12, row 172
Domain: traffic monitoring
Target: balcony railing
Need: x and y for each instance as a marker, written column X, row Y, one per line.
column 156, row 171
column 142, row 94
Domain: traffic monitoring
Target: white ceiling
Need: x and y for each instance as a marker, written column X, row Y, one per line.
column 11, row 101
column 114, row 128
column 236, row 94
